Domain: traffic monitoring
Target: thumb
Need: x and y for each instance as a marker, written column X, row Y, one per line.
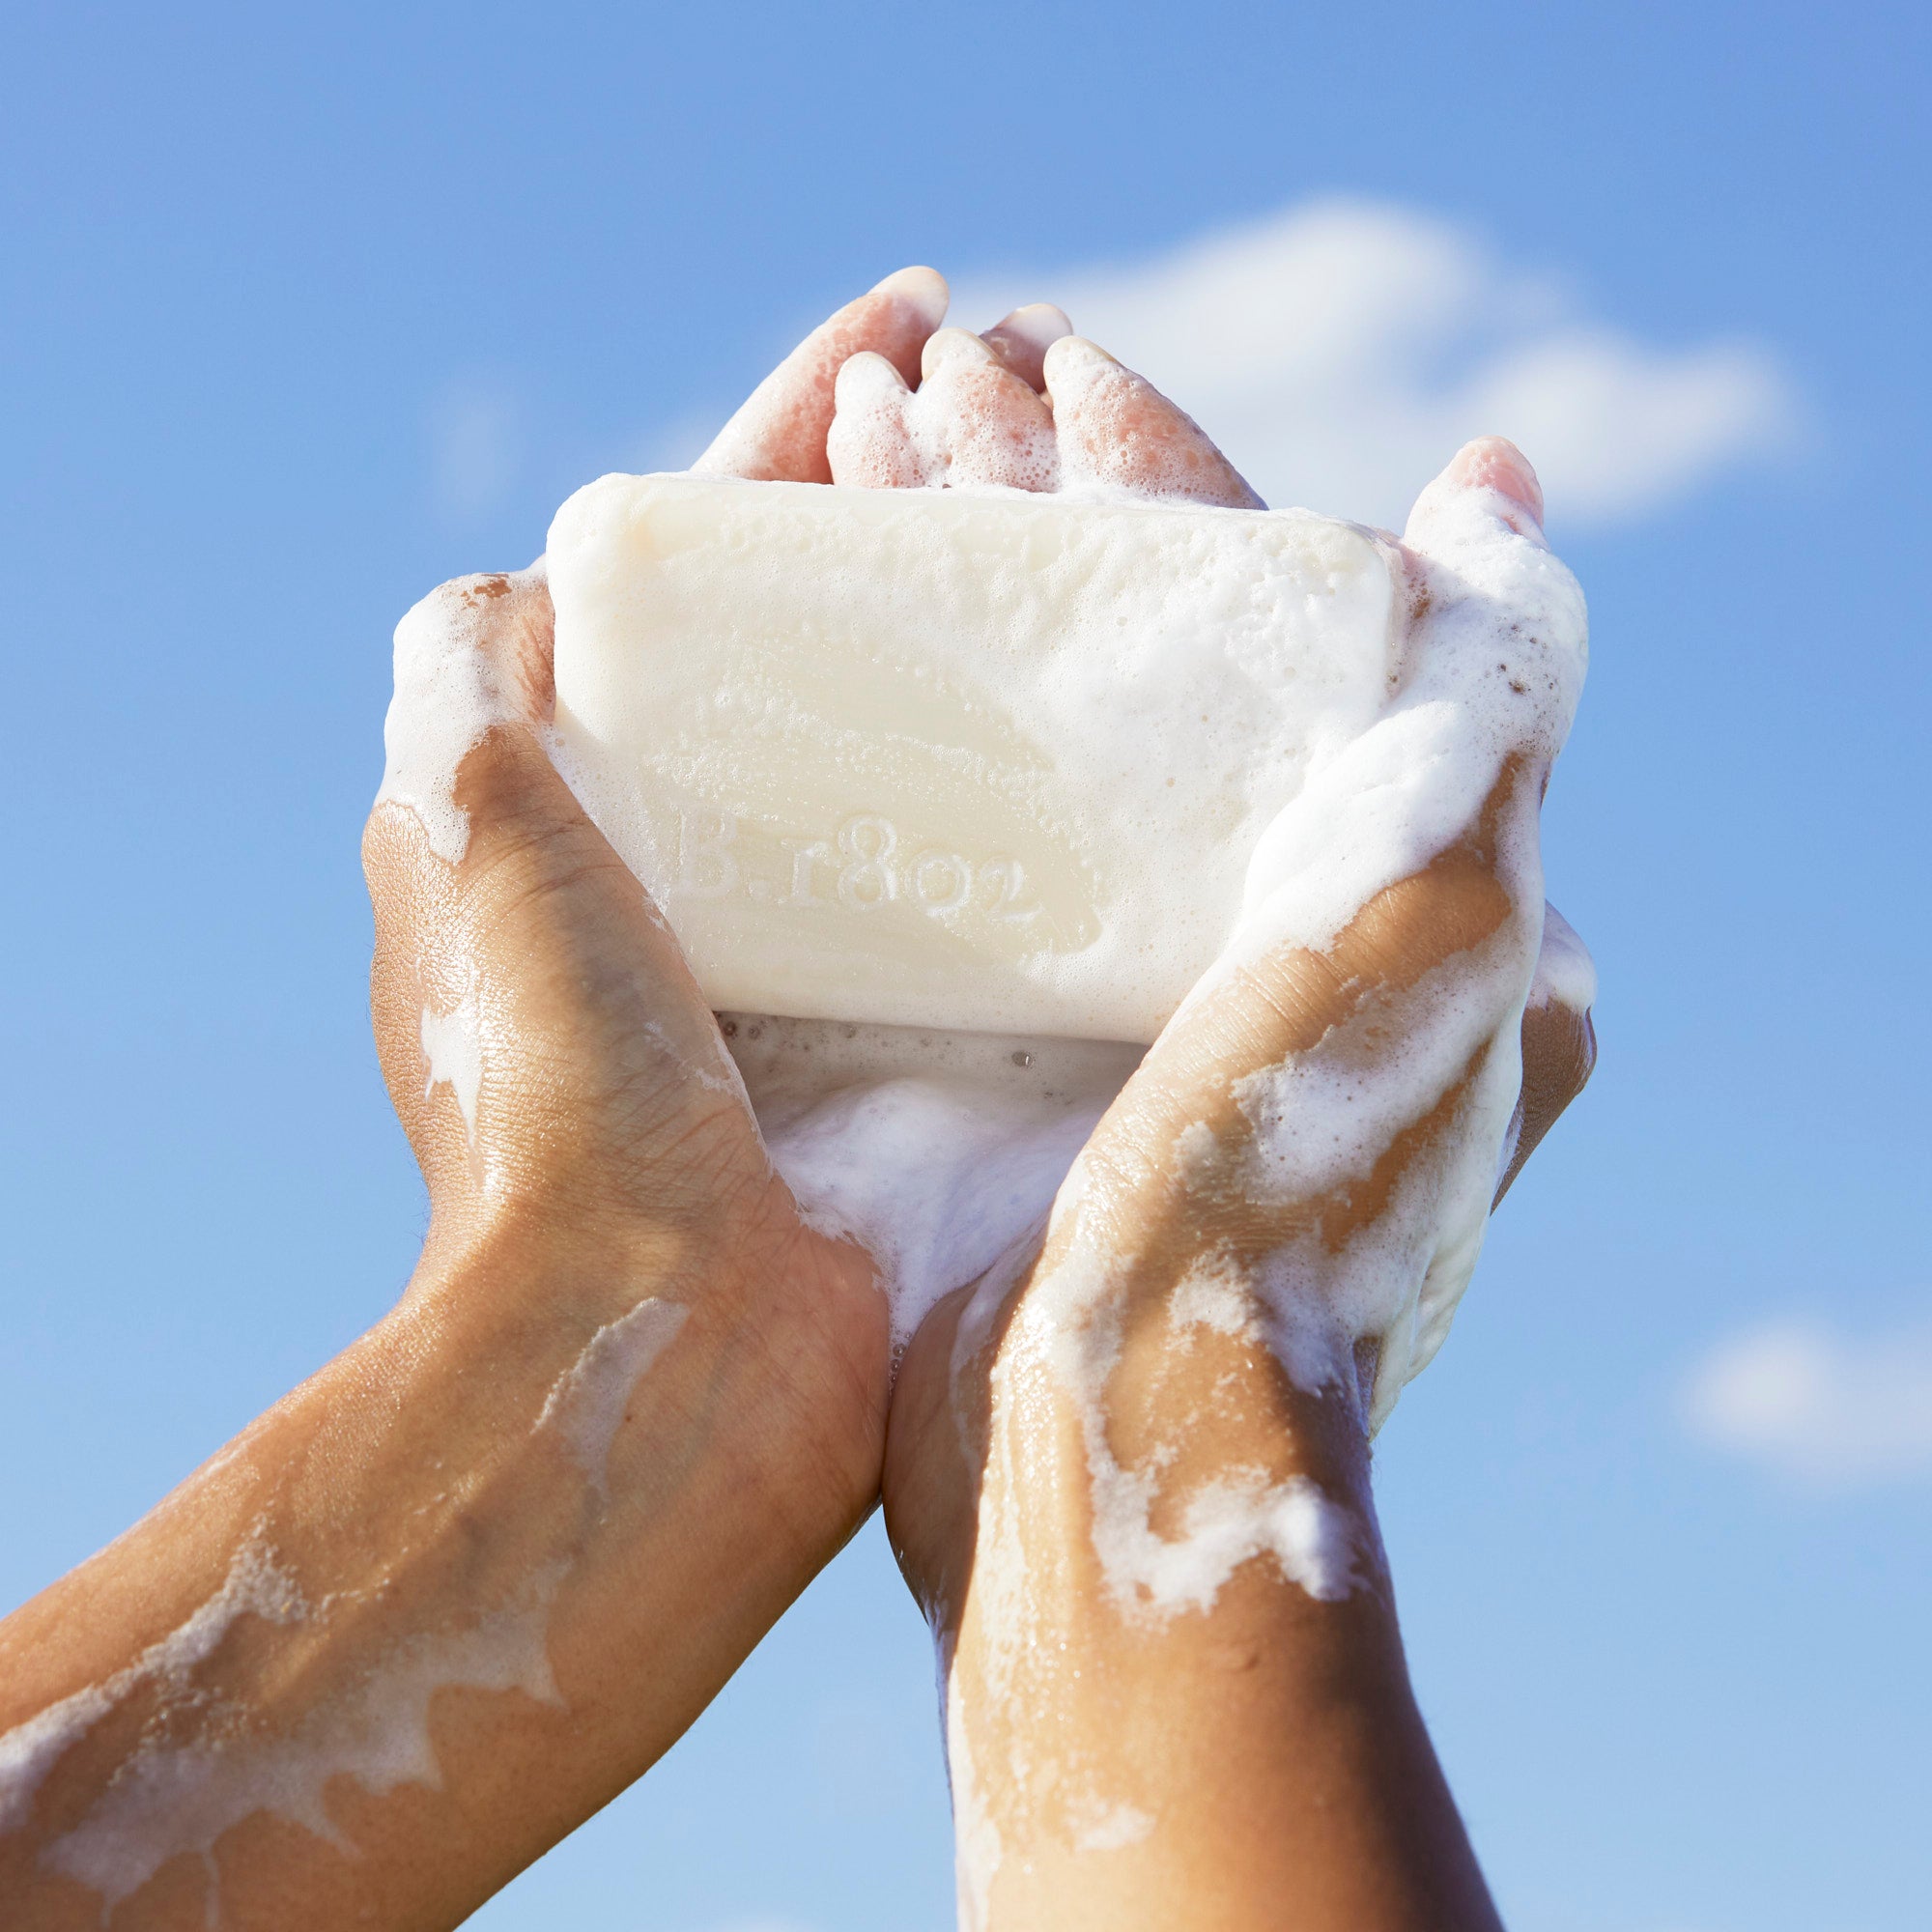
column 473, row 656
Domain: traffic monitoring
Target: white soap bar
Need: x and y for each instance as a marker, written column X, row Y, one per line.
column 976, row 760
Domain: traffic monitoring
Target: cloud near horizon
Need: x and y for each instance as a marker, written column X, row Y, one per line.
column 1341, row 351
column 1821, row 1410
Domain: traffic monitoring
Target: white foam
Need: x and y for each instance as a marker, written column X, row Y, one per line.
column 976, row 1834
column 1069, row 1324
column 452, row 1049
column 1566, row 975
column 170, row 1797
column 450, row 689
column 938, row 1153
column 587, row 1403
column 255, row 1586
column 1111, row 1828
column 970, row 423
column 205, row 1762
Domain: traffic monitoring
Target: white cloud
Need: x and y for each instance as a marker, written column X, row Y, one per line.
column 1821, row 1408
column 1340, row 351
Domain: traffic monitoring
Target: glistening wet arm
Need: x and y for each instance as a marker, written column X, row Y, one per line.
column 429, row 1612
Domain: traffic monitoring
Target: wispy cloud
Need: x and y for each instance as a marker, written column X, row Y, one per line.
column 1342, row 350
column 476, row 438
column 1816, row 1407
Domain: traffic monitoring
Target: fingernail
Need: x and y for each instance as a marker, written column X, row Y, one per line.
column 952, row 345
column 924, row 289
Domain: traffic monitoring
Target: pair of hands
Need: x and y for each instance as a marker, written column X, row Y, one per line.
column 605, row 1123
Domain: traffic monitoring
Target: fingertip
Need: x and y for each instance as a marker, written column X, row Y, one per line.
column 1070, row 358
column 1493, row 462
column 866, row 377
column 1021, row 339
column 868, row 443
column 1487, row 483
column 953, row 345
column 1115, row 428
column 922, row 288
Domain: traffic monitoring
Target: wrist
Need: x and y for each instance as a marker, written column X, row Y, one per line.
column 630, row 1345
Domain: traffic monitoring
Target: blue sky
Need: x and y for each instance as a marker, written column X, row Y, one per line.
column 302, row 313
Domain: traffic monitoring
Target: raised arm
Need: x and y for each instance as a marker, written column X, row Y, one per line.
column 1130, row 1480
column 457, row 1590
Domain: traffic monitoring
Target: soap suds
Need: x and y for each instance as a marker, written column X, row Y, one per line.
column 452, row 1050
column 1213, row 1293
column 170, row 1799
column 588, row 1402
column 976, row 1834
column 937, row 1152
column 255, row 1586
column 205, row 1763
column 971, row 423
column 1069, row 1324
column 1111, row 1828
column 449, row 690
column 1566, row 975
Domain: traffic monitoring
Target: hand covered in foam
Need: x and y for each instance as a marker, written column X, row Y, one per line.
column 1127, row 1478
column 550, row 1056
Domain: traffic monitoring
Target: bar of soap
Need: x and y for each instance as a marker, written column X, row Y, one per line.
column 980, row 761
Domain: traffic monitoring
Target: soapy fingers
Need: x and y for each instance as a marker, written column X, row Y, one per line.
column 972, row 420
column 1021, row 339
column 535, row 1020
column 1025, row 406
column 779, row 435
column 1116, row 429
column 1339, row 1103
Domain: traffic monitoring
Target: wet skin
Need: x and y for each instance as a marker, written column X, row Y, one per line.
column 410, row 1498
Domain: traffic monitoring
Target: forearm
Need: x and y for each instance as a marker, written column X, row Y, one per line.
column 431, row 1610
column 1176, row 1688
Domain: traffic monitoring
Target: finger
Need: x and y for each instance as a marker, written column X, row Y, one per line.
column 780, row 433
column 1559, row 1041
column 871, row 442
column 1489, row 480
column 988, row 426
column 1021, row 340
column 474, row 655
column 478, row 853
column 1116, row 428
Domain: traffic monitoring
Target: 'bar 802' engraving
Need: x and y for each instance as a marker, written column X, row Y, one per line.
column 863, row 870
